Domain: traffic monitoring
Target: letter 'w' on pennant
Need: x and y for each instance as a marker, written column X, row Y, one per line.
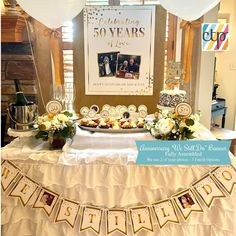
column 24, row 189
column 187, row 203
column 68, row 212
column 117, row 221
column 226, row 176
column 46, row 200
column 141, row 219
column 208, row 190
column 91, row 219
column 165, row 212
column 9, row 174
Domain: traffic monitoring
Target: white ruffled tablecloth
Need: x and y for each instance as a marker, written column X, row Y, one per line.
column 100, row 169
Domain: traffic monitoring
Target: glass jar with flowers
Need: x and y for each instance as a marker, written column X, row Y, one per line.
column 55, row 129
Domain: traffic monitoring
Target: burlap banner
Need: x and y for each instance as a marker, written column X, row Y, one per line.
column 219, row 183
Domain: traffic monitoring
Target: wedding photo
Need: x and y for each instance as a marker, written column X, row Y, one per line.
column 107, row 64
column 47, row 198
column 186, row 201
column 128, row 66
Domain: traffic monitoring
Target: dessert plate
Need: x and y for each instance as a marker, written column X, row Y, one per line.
column 114, row 131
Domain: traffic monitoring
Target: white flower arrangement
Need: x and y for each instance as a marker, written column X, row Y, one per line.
column 59, row 125
column 171, row 126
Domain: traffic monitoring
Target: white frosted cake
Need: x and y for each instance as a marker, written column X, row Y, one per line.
column 170, row 98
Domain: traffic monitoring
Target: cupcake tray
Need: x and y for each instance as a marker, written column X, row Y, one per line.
column 113, row 131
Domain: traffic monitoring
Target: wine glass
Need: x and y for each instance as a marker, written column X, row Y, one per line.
column 70, row 93
column 57, row 93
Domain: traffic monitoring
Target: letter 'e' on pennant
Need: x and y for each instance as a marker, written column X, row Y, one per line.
column 68, row 212
column 187, row 203
column 226, row 176
column 46, row 200
column 9, row 173
column 141, row 219
column 208, row 190
column 91, row 219
column 165, row 212
column 117, row 221
column 24, row 189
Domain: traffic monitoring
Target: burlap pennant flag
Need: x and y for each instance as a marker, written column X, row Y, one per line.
column 68, row 212
column 24, row 189
column 117, row 221
column 141, row 219
column 91, row 219
column 165, row 212
column 9, row 174
column 208, row 190
column 187, row 203
column 226, row 176
column 46, row 200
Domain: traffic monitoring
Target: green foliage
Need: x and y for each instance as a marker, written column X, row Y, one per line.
column 42, row 135
column 67, row 113
column 189, row 122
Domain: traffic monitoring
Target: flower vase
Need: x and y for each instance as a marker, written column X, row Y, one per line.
column 57, row 143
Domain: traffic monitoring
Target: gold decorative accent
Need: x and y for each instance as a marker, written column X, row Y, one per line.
column 174, row 74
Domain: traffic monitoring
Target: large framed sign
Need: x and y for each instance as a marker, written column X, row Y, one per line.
column 119, row 50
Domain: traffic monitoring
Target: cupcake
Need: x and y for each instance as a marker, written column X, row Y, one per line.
column 126, row 125
column 122, row 121
column 84, row 122
column 133, row 124
column 92, row 124
column 116, row 125
column 96, row 120
column 103, row 124
column 140, row 123
column 111, row 122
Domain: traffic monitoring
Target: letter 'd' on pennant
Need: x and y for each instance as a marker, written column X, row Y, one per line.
column 9, row 174
column 226, row 176
column 141, row 219
column 91, row 219
column 165, row 212
column 208, row 190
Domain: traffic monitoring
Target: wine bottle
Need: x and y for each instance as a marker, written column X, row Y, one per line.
column 20, row 97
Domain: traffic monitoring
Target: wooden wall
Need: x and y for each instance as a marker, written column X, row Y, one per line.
column 79, row 69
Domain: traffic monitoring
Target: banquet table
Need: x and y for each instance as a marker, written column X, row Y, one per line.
column 99, row 169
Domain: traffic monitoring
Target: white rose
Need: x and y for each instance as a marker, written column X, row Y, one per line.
column 148, row 126
column 165, row 113
column 45, row 126
column 45, row 118
column 195, row 117
column 165, row 125
column 154, row 132
column 195, row 127
column 62, row 117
